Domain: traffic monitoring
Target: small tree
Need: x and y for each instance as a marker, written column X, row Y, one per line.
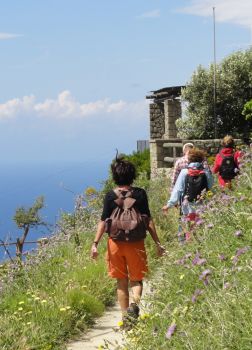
column 234, row 89
column 26, row 219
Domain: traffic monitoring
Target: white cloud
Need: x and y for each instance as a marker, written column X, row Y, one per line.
column 150, row 14
column 65, row 106
column 232, row 11
column 7, row 36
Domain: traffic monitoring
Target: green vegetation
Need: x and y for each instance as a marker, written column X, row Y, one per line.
column 233, row 90
column 202, row 291
column 142, row 161
column 27, row 218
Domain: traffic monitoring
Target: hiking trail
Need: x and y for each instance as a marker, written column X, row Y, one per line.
column 106, row 331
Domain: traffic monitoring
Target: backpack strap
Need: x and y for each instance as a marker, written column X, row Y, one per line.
column 124, row 201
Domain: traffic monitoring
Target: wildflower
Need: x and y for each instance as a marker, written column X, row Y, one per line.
column 226, row 285
column 21, row 302
column 210, row 225
column 197, row 293
column 68, row 307
column 62, row 309
column 28, row 323
column 120, row 324
column 184, row 311
column 171, row 330
column 205, row 276
column 144, row 316
column 241, row 251
column 222, row 257
column 181, row 277
column 198, row 261
column 199, row 222
column 238, row 233
column 20, row 309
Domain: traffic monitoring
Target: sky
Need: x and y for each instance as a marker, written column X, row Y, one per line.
column 75, row 74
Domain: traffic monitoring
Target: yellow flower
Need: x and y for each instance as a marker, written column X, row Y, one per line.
column 62, row 309
column 175, row 311
column 144, row 316
column 181, row 277
column 21, row 302
column 20, row 309
column 185, row 309
column 120, row 323
column 68, row 307
column 90, row 191
column 28, row 323
column 100, row 347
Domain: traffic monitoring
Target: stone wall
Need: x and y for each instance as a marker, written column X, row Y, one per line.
column 163, row 157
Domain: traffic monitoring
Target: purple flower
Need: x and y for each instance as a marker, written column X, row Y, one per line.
column 222, row 257
column 199, row 222
column 204, row 277
column 197, row 293
column 210, row 225
column 238, row 233
column 241, row 251
column 170, row 331
column 198, row 260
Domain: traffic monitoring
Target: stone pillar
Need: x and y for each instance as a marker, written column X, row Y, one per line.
column 172, row 111
column 157, row 127
column 156, row 156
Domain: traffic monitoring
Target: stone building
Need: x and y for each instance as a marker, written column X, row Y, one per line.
column 165, row 146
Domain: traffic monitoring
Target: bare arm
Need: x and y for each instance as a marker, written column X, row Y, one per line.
column 154, row 236
column 99, row 233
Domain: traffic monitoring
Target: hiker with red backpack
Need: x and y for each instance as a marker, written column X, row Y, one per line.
column 188, row 192
column 226, row 163
column 126, row 218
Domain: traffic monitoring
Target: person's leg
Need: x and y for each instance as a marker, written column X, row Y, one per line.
column 137, row 289
column 123, row 294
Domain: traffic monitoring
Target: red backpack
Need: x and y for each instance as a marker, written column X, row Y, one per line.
column 126, row 223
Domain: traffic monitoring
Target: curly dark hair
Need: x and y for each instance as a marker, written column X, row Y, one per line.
column 123, row 172
column 196, row 155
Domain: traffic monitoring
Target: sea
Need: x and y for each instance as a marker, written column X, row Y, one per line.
column 59, row 183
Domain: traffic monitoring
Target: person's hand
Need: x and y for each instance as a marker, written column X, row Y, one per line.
column 160, row 250
column 165, row 209
column 94, row 251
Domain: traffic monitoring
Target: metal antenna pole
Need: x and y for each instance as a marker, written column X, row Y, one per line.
column 214, row 87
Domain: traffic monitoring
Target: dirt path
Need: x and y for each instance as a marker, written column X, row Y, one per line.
column 106, row 331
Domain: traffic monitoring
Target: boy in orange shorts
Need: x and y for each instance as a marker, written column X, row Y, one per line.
column 126, row 256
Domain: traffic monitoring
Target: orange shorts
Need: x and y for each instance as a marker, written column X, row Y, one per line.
column 127, row 260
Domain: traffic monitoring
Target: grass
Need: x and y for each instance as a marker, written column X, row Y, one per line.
column 201, row 292
column 58, row 291
column 53, row 298
column 202, row 295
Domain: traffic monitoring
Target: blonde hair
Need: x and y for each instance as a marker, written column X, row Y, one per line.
column 228, row 141
column 188, row 145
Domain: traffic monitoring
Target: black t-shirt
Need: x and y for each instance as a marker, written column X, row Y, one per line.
column 137, row 193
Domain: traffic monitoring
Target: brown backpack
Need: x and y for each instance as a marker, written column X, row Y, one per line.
column 126, row 223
